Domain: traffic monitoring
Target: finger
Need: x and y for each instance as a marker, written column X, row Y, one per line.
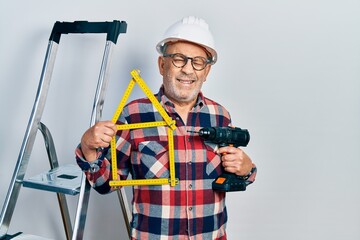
column 99, row 143
column 104, row 145
column 109, row 128
column 227, row 149
column 103, row 128
column 109, row 132
column 230, row 161
column 107, row 137
column 105, row 124
column 109, row 124
column 232, row 155
column 230, row 169
column 227, row 158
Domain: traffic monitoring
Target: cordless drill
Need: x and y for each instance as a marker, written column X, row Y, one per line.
column 227, row 136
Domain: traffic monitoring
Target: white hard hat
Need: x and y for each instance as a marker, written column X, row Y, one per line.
column 191, row 29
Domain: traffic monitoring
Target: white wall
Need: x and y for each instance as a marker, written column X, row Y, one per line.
column 289, row 72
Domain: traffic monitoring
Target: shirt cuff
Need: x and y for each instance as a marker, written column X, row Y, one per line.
column 93, row 166
column 250, row 178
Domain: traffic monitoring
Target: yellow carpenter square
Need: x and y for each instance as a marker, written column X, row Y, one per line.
column 139, row 182
column 167, row 122
column 123, row 100
column 141, row 125
column 173, row 181
column 113, row 157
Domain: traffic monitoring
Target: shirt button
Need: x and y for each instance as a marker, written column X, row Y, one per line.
column 190, row 208
column 190, row 186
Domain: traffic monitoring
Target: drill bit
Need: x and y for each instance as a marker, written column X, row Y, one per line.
column 192, row 131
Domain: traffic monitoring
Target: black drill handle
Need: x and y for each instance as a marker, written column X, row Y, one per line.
column 112, row 29
column 226, row 145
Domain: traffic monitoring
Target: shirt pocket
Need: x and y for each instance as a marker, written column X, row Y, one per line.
column 151, row 160
column 213, row 165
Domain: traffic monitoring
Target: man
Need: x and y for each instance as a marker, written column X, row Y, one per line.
column 191, row 209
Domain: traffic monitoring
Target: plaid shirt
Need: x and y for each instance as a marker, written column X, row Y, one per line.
column 191, row 209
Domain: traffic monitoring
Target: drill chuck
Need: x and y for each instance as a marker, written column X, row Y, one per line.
column 225, row 136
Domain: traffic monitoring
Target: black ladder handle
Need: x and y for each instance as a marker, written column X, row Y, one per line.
column 112, row 29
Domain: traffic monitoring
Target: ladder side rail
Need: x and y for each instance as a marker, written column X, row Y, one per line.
column 29, row 138
column 53, row 160
column 124, row 204
column 102, row 84
column 121, row 193
column 80, row 218
column 112, row 35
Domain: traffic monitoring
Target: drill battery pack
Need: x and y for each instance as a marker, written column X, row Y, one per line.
column 229, row 182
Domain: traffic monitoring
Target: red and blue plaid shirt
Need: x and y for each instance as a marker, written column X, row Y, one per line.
column 191, row 209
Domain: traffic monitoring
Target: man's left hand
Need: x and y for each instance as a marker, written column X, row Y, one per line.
column 235, row 160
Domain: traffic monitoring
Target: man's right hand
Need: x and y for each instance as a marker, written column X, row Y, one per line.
column 98, row 136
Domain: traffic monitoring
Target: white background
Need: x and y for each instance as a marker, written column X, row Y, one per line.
column 289, row 71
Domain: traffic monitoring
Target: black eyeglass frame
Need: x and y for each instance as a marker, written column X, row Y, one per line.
column 186, row 58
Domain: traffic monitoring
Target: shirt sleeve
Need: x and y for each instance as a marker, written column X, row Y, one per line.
column 97, row 172
column 88, row 166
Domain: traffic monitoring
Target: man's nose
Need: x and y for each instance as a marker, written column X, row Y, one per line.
column 188, row 66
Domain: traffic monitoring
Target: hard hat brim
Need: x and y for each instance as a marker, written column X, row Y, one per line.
column 211, row 51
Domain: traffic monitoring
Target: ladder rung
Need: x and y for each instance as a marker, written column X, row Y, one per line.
column 64, row 179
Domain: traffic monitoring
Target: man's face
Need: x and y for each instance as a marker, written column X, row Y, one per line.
column 182, row 85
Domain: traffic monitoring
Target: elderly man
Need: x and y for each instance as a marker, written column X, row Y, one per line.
column 191, row 209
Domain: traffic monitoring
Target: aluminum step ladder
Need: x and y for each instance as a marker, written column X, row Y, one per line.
column 68, row 179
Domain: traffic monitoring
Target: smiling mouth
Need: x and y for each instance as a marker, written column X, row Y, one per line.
column 186, row 81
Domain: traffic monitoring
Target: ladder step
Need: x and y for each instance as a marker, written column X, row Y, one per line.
column 64, row 179
column 21, row 236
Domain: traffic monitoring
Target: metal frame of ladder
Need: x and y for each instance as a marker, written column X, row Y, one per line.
column 112, row 29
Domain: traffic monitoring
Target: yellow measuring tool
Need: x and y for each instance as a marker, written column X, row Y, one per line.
column 116, row 182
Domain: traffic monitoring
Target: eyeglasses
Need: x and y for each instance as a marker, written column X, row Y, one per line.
column 180, row 60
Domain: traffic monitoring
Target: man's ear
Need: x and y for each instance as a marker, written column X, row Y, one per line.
column 207, row 70
column 161, row 65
